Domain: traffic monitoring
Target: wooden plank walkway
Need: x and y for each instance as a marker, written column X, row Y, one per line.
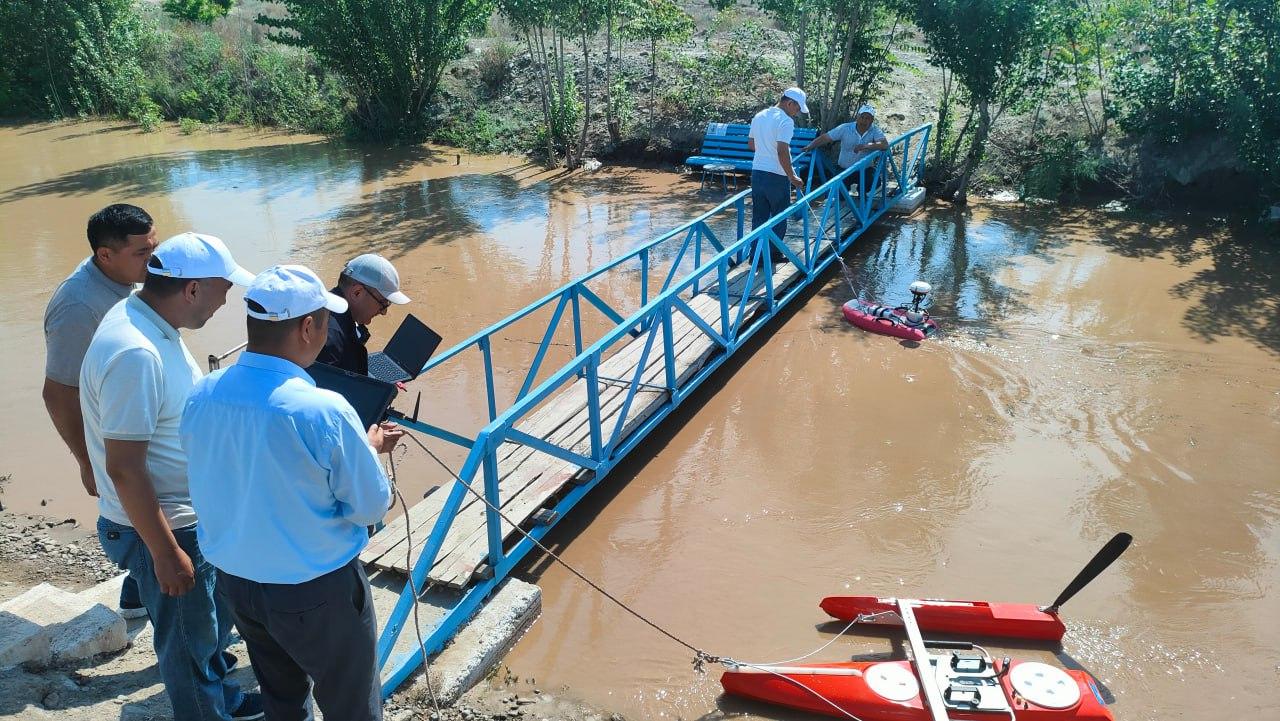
column 530, row 480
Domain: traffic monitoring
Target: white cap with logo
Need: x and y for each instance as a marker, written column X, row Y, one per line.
column 378, row 273
column 797, row 95
column 866, row 109
column 290, row 291
column 196, row 255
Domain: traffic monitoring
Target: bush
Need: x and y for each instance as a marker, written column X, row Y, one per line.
column 1063, row 166
column 495, row 65
column 731, row 80
column 189, row 126
column 479, row 131
column 68, row 58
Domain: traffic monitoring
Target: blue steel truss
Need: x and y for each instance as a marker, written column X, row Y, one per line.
column 690, row 260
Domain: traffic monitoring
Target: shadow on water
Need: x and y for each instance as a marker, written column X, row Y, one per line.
column 962, row 254
column 276, row 169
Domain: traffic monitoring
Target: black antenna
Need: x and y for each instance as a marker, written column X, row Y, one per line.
column 416, row 404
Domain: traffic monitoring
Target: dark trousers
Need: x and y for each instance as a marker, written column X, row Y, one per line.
column 770, row 195
column 313, row 638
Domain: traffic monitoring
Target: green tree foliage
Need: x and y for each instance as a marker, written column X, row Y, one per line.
column 69, row 57
column 842, row 50
column 657, row 21
column 392, row 53
column 198, row 11
column 1197, row 69
column 996, row 51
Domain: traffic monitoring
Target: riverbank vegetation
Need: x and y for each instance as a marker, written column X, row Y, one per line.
column 1055, row 97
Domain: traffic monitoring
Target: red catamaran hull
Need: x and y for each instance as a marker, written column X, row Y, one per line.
column 852, row 693
column 1007, row 620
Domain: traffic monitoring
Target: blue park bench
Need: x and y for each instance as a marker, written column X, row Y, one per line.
column 726, row 144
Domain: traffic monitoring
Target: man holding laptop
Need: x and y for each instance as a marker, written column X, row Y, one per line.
column 370, row 285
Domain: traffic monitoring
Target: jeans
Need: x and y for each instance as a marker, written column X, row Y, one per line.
column 190, row 631
column 316, row 637
column 770, row 195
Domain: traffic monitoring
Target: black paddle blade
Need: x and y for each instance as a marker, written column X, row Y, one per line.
column 1104, row 558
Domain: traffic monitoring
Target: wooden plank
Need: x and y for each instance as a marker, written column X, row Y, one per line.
column 462, row 561
column 544, row 423
column 532, row 477
column 575, row 435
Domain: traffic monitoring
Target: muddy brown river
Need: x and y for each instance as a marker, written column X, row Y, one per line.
column 1099, row 372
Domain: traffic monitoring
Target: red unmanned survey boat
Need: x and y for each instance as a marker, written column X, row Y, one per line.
column 1009, row 620
column 963, row 683
column 906, row 322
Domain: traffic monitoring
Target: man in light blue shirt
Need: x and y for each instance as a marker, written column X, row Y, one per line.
column 285, row 480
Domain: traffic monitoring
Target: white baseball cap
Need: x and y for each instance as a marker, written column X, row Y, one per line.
column 866, row 109
column 378, row 273
column 797, row 95
column 196, row 255
column 290, row 291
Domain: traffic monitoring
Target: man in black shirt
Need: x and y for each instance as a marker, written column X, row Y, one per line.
column 370, row 285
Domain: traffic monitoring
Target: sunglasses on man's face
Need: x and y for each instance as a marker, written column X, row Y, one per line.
column 383, row 303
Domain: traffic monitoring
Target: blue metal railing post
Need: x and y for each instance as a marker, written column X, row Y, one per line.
column 493, row 522
column 491, row 396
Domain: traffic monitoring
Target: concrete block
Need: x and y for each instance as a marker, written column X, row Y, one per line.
column 107, row 593
column 484, row 641
column 47, row 625
column 909, row 202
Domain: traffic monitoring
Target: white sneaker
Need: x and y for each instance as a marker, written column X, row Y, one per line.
column 130, row 614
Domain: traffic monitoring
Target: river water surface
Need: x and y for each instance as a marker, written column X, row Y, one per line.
column 1099, row 372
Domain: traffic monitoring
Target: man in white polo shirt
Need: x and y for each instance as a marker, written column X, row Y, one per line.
column 277, row 464
column 857, row 139
column 771, row 173
column 134, row 383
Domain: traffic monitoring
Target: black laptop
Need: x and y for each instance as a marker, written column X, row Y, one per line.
column 406, row 352
column 369, row 396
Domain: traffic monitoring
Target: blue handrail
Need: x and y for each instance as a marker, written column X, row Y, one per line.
column 824, row 235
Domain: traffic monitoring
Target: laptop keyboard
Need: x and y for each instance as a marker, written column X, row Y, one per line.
column 383, row 368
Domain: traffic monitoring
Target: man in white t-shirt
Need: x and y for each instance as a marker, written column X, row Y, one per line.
column 771, row 173
column 857, row 139
column 134, row 384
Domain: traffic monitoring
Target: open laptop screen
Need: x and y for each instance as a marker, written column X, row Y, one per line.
column 370, row 397
column 412, row 345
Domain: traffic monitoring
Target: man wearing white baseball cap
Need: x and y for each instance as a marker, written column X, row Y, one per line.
column 857, row 139
column 771, row 173
column 370, row 285
column 281, row 466
column 134, row 383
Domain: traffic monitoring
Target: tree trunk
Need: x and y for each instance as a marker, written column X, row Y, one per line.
column 581, row 150
column 653, row 81
column 542, row 64
column 610, row 120
column 801, row 46
column 958, row 190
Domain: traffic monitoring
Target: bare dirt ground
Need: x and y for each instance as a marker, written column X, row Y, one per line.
column 126, row 685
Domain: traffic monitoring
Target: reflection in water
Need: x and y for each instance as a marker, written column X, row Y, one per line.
column 1073, row 395
column 1097, row 373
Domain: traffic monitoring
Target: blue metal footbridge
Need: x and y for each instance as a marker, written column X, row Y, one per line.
column 690, row 299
